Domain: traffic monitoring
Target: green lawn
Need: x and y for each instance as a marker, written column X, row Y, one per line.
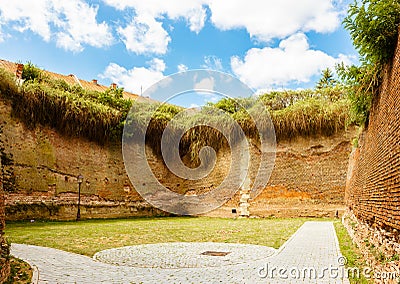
column 351, row 252
column 88, row 237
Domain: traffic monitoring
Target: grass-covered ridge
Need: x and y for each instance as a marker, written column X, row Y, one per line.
column 100, row 116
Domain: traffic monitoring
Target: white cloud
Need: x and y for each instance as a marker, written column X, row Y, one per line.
column 263, row 20
column 196, row 19
column 145, row 35
column 71, row 23
column 194, row 106
column 80, row 25
column 212, row 62
column 182, row 68
column 205, row 84
column 266, row 20
column 192, row 11
column 292, row 62
column 25, row 14
column 2, row 35
column 211, row 97
column 137, row 79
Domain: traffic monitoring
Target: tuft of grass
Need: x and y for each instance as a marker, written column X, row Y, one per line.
column 351, row 252
column 91, row 236
column 395, row 257
column 8, row 85
column 310, row 117
column 20, row 272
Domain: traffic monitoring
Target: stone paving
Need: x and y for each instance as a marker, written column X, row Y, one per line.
column 311, row 255
column 183, row 255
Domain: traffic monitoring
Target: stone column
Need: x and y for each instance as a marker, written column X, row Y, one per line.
column 244, row 199
column 244, row 174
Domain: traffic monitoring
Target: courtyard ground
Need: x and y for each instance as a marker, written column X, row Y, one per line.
column 261, row 243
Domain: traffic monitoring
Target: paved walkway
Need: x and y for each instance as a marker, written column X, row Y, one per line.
column 311, row 255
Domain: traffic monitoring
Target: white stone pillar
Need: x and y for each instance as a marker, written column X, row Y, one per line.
column 244, row 199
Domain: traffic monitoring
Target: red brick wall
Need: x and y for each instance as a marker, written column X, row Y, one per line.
column 373, row 187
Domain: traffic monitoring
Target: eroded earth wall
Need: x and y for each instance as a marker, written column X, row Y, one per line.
column 41, row 166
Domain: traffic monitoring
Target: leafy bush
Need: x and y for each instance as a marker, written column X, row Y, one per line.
column 362, row 83
column 31, row 72
column 65, row 111
column 227, row 104
column 111, row 97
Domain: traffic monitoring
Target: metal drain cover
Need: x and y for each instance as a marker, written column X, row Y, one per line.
column 216, row 253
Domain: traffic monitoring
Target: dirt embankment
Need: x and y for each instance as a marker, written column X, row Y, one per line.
column 41, row 166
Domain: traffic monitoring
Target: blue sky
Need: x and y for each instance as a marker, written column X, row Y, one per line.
column 267, row 44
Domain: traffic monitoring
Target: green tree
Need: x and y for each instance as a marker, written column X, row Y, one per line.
column 226, row 104
column 327, row 80
column 373, row 27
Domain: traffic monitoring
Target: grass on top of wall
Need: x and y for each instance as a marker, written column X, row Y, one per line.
column 101, row 116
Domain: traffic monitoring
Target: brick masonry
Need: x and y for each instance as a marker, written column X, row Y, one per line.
column 373, row 186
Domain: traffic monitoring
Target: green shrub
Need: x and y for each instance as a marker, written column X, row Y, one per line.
column 31, row 72
column 227, row 104
column 362, row 84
